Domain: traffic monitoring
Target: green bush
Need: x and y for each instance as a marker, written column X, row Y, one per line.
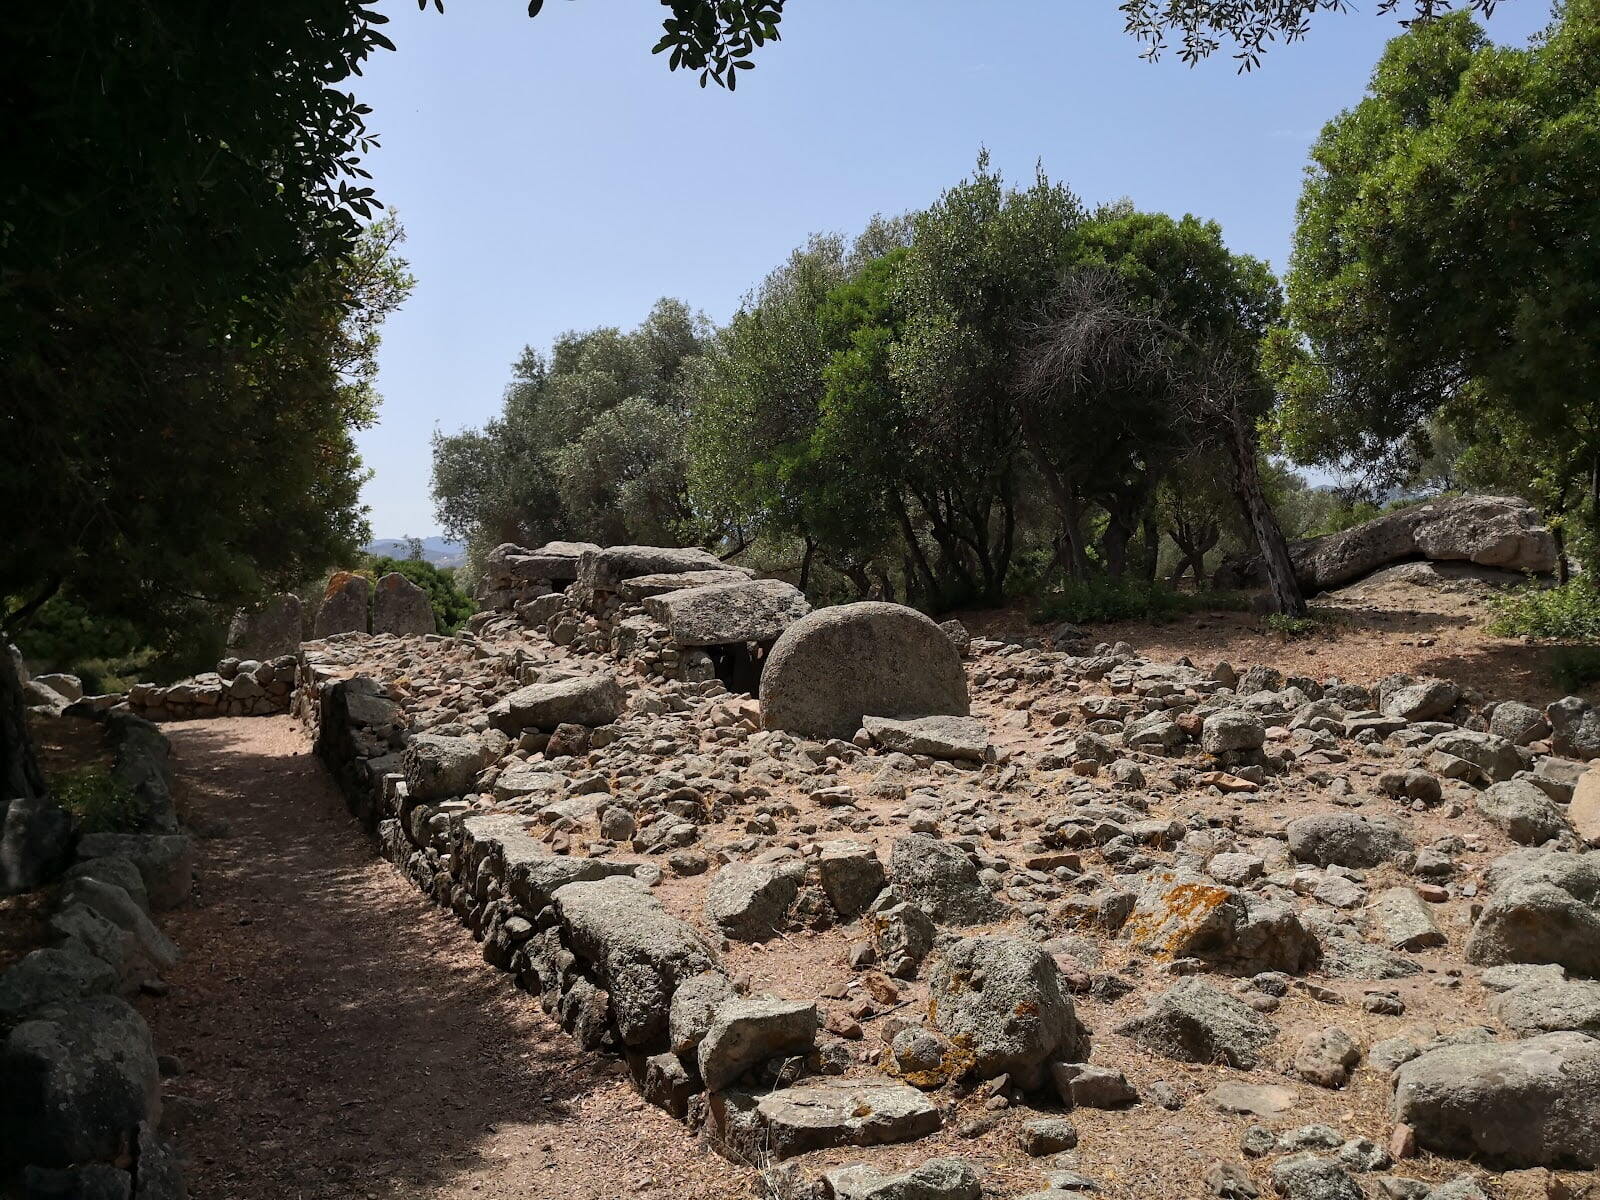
column 451, row 606
column 1575, row 667
column 99, row 802
column 1289, row 628
column 1099, row 599
column 1570, row 612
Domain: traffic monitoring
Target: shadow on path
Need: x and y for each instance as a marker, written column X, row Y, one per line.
column 340, row 1036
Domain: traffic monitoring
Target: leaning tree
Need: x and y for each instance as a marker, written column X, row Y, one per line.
column 1162, row 311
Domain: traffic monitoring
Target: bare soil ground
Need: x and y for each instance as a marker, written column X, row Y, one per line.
column 1368, row 630
column 341, row 1037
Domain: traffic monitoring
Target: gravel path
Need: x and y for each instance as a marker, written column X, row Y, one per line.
column 339, row 1036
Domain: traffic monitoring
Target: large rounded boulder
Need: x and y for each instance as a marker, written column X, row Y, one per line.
column 837, row 665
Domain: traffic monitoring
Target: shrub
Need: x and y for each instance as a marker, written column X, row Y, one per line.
column 1570, row 612
column 99, row 802
column 1100, row 598
column 1575, row 667
column 451, row 606
column 1289, row 628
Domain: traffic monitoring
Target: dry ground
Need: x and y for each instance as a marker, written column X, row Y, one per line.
column 341, row 1037
column 1368, row 630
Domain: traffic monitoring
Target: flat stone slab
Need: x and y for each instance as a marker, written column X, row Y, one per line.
column 816, row 1116
column 642, row 587
column 1253, row 1100
column 936, row 737
column 724, row 614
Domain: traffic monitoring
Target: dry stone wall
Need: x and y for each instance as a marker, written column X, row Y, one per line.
column 1319, row 927
column 80, row 1080
column 235, row 689
column 663, row 611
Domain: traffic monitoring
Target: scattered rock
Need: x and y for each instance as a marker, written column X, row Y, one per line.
column 1194, row 1022
column 749, row 901
column 1527, row 1103
column 1002, row 999
column 1524, row 811
column 1346, row 839
column 939, row 879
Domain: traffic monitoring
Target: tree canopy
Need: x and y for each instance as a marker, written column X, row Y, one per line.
column 1445, row 263
column 589, row 442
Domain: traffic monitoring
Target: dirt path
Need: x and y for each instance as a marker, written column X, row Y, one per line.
column 341, row 1037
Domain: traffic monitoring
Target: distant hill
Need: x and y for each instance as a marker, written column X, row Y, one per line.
column 437, row 550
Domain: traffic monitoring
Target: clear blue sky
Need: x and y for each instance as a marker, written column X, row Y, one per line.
column 552, row 174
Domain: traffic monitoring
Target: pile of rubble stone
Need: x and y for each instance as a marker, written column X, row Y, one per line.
column 80, row 1080
column 1068, row 920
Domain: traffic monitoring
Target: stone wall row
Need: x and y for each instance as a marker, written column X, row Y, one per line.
column 80, row 1080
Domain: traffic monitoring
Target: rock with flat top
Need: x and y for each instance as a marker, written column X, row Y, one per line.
column 634, row 948
column 586, row 700
column 937, row 737
column 936, row 1179
column 746, row 1031
column 722, row 614
column 1518, row 1104
column 1554, row 1006
column 816, row 1116
column 1194, row 1022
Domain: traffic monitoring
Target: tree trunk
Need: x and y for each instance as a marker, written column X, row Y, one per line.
column 1114, row 546
column 805, row 564
column 1152, row 547
column 1285, row 588
column 19, row 769
column 857, row 575
column 914, row 551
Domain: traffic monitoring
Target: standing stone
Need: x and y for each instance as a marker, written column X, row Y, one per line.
column 402, row 608
column 837, row 665
column 271, row 631
column 344, row 605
